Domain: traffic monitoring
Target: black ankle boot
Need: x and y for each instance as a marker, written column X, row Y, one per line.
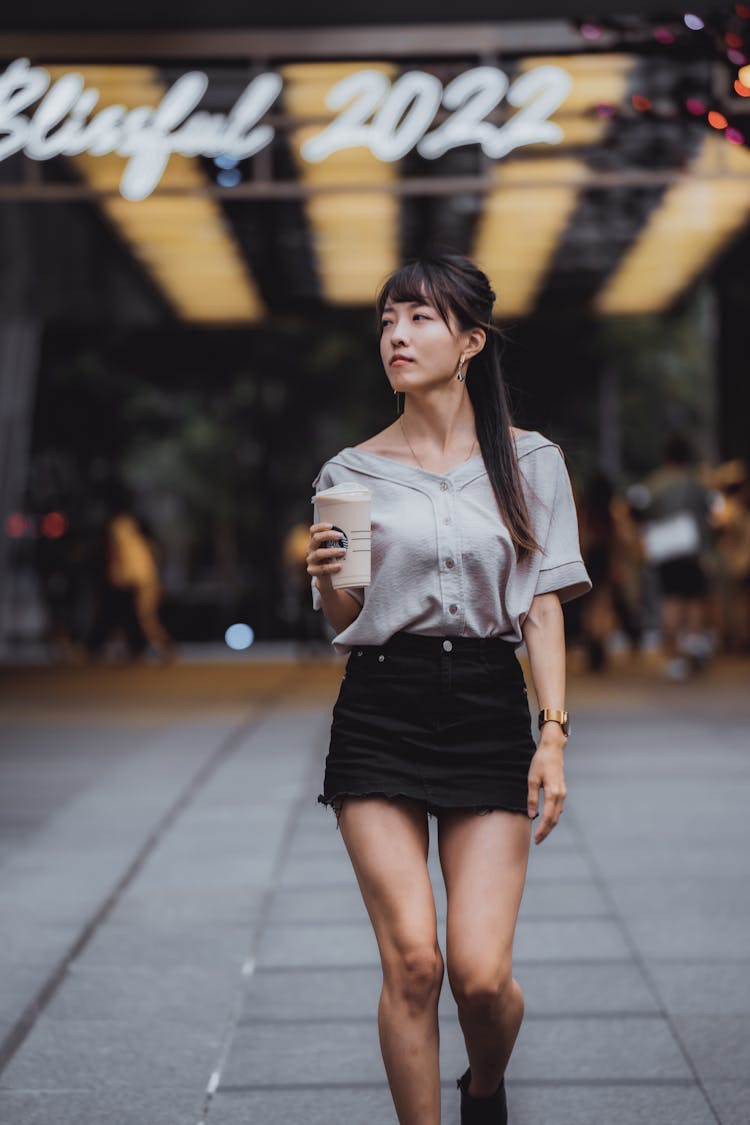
column 482, row 1111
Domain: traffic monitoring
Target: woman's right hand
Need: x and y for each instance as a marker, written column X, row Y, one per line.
column 323, row 561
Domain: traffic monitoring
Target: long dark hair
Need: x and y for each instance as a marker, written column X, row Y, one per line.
column 452, row 282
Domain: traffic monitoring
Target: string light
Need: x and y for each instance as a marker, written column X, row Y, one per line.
column 744, row 75
column 741, row 89
column 695, row 23
column 695, row 106
column 717, row 120
column 734, row 135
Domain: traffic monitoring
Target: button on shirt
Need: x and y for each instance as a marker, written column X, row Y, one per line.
column 443, row 561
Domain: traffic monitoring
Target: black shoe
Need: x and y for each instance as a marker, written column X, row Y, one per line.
column 482, row 1111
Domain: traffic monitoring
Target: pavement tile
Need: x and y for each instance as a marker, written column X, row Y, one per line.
column 304, row 1054
column 120, row 1104
column 88, row 1054
column 203, row 992
column 730, row 1099
column 588, row 988
column 719, row 1045
column 312, row 945
column 564, row 939
column 608, row 1105
column 366, row 1106
column 692, row 933
column 167, row 946
column 702, row 987
column 605, row 1049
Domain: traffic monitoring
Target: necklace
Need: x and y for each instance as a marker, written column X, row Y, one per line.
column 403, row 430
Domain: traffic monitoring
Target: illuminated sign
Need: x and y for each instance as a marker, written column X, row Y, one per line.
column 388, row 118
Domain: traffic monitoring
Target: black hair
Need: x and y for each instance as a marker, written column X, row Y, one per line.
column 454, row 284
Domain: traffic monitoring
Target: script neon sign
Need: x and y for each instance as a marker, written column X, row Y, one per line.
column 388, row 118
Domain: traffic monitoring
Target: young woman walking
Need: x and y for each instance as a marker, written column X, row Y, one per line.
column 474, row 547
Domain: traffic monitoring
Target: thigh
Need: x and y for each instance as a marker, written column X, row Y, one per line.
column 484, row 859
column 388, row 843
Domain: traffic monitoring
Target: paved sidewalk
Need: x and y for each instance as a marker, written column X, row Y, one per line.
column 182, row 939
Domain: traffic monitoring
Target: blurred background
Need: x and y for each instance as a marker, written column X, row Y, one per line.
column 198, row 203
column 187, row 329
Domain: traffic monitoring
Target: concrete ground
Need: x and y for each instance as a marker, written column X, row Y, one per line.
column 182, row 939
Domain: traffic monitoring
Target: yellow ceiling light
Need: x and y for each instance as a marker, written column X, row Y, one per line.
column 525, row 215
column 355, row 232
column 596, row 80
column 183, row 241
column 696, row 219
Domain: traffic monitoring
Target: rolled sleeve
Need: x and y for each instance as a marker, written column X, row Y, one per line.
column 563, row 571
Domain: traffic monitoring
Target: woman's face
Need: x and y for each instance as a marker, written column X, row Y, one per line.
column 431, row 347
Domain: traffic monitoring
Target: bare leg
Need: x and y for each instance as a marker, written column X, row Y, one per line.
column 484, row 860
column 388, row 841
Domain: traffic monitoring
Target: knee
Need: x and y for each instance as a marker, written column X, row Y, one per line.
column 416, row 975
column 480, row 990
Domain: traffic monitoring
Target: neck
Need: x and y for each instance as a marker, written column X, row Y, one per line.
column 441, row 427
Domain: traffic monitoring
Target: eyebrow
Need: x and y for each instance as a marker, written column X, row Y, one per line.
column 411, row 304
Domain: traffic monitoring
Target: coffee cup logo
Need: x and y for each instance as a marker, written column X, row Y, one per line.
column 343, row 542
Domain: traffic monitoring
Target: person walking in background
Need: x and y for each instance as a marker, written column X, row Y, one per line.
column 131, row 591
column 474, row 547
column 733, row 548
column 678, row 513
column 612, row 554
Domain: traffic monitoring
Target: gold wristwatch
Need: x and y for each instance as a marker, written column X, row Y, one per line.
column 549, row 714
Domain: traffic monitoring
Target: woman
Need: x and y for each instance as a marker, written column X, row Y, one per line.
column 474, row 546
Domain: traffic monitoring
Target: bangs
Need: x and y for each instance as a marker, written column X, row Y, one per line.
column 414, row 282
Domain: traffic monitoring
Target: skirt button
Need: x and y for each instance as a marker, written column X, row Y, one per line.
column 447, row 645
column 381, row 657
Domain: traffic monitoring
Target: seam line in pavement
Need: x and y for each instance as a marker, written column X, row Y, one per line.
column 447, row 1084
column 296, row 1021
column 23, row 1026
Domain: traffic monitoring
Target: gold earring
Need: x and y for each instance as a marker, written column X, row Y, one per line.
column 460, row 373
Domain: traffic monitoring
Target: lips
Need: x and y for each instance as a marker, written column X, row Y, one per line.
column 400, row 359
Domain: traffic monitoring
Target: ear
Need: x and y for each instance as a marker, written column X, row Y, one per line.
column 475, row 341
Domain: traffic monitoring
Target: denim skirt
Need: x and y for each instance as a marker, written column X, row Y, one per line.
column 443, row 720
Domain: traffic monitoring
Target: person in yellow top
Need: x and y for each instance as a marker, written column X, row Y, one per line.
column 132, row 588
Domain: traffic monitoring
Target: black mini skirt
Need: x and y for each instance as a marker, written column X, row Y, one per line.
column 439, row 719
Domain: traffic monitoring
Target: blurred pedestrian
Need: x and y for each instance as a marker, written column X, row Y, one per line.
column 474, row 547
column 677, row 506
column 733, row 548
column 131, row 590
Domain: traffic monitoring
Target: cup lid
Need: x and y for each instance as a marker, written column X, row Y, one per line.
column 345, row 490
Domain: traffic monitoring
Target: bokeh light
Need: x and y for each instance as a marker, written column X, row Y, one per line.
column 735, row 136
column 53, row 525
column 695, row 23
column 741, row 89
column 16, row 525
column 230, row 178
column 737, row 57
column 640, row 102
column 239, row 637
column 744, row 75
column 590, row 31
column 695, row 106
column 663, row 35
column 717, row 120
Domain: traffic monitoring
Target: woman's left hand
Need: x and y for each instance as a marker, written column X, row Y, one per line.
column 546, row 772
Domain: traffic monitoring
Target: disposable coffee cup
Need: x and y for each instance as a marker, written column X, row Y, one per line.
column 347, row 507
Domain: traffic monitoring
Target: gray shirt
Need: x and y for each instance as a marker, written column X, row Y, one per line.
column 443, row 562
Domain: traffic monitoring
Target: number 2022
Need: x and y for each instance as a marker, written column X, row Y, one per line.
column 401, row 113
